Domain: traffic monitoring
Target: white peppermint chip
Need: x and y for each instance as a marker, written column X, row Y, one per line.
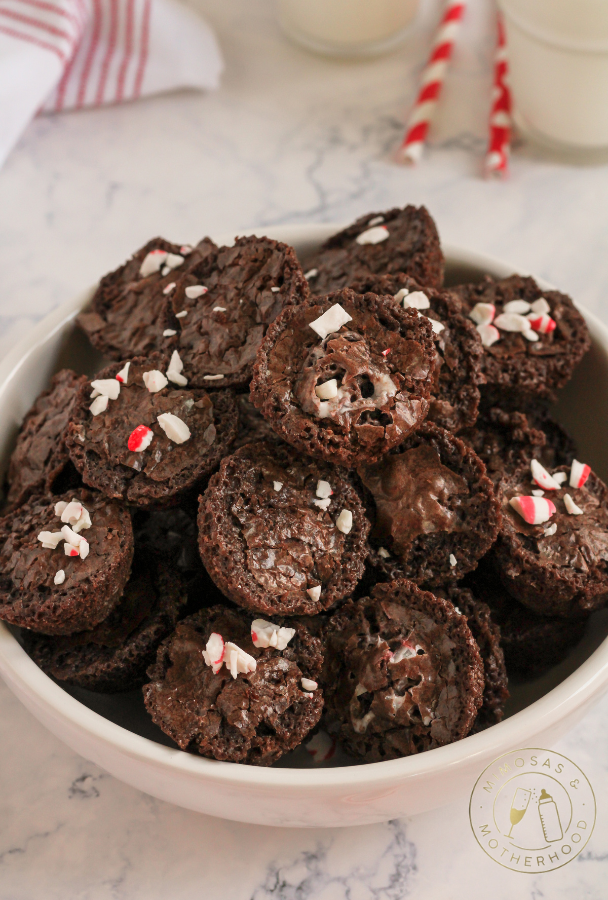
column 186, row 250
column 328, row 390
column 538, row 493
column 530, row 335
column 277, row 485
column 83, row 522
column 169, row 332
column 489, row 334
column 330, row 321
column 99, row 405
column 435, row 325
column 50, row 539
column 170, row 287
column 213, row 654
column 383, row 553
column 219, row 309
column 175, row 429
column 403, row 292
column 182, row 314
column 344, row 522
column 571, row 506
column 71, row 512
column 83, row 549
column 374, row 235
column 483, row 313
column 314, row 592
column 71, row 537
column 308, row 684
column 560, row 477
column 323, row 504
column 212, row 377
column 175, row 369
column 165, row 270
column 152, row 262
column 59, row 577
column 194, row 291
column 540, row 307
column 312, row 273
column 60, row 506
column 542, row 477
column 517, row 306
column 453, row 560
column 323, row 489
column 512, row 322
column 237, row 661
column 173, row 260
column 267, row 634
column 106, row 387
column 123, row 375
column 550, row 531
column 154, row 380
column 275, row 290
column 416, row 300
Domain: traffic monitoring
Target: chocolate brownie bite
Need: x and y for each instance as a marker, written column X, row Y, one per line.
column 40, row 456
column 147, row 437
column 399, row 240
column 403, row 673
column 552, row 550
column 533, row 339
column 64, row 562
column 455, row 392
column 281, row 533
column 219, row 314
column 433, row 509
column 228, row 692
column 115, row 654
column 125, row 316
column 487, row 636
column 345, row 377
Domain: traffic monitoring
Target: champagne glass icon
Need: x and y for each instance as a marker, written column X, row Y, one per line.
column 519, row 805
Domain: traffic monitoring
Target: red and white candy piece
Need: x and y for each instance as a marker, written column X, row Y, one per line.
column 267, row 634
column 195, row 291
column 321, row 747
column 344, row 522
column 186, row 250
column 308, row 684
column 331, row 321
column 123, row 375
column 105, row 387
column 140, row 439
column 314, row 593
column 170, row 287
column 175, row 369
column 542, row 478
column 237, row 661
column 483, row 313
column 175, row 429
column 533, row 510
column 374, row 235
column 571, row 506
column 323, row 489
column 543, row 324
column 579, row 473
column 70, row 550
column 213, row 654
column 99, row 405
column 74, row 514
column 489, row 334
column 75, row 541
column 152, row 262
column 154, row 380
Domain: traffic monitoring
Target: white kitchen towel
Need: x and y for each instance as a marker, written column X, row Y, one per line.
column 66, row 54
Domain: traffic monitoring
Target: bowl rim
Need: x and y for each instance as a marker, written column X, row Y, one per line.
column 24, row 676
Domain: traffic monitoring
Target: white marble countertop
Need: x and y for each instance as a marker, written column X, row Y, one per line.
column 288, row 138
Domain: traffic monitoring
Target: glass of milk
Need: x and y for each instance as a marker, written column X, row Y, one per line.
column 558, row 62
column 347, row 27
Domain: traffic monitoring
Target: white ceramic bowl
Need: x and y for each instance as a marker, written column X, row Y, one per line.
column 112, row 733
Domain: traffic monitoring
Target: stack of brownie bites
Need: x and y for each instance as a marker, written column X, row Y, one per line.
column 307, row 507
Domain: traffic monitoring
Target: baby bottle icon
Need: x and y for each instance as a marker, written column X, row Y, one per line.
column 549, row 817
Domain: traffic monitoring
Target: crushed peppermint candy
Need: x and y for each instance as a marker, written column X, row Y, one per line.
column 542, row 478
column 267, row 634
column 383, row 553
column 323, row 489
column 571, row 506
column 70, row 550
column 538, row 493
column 401, row 293
column 182, row 314
column 169, row 332
column 154, row 380
column 344, row 522
column 277, row 485
column 377, row 220
column 328, row 390
column 544, row 324
column 275, row 290
column 173, row 261
column 416, row 300
column 237, row 661
column 174, row 427
column 175, row 369
column 170, row 287
column 517, row 306
column 540, row 307
column 530, row 335
column 212, row 377
column 533, row 510
column 219, row 309
column 74, row 514
column 59, row 577
column 512, row 322
column 489, row 334
column 123, row 375
column 323, row 504
column 374, row 235
column 321, row 747
column 186, row 250
column 314, row 592
column 331, row 321
column 483, row 313
column 579, row 473
column 105, row 387
column 312, row 273
column 213, row 654
column 195, row 290
column 550, row 531
column 308, row 684
column 140, row 439
column 453, row 560
column 435, row 325
column 386, row 352
column 99, row 405
column 152, row 262
column 50, row 539
column 560, row 477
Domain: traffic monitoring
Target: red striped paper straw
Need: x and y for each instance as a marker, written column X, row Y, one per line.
column 497, row 157
column 432, row 82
